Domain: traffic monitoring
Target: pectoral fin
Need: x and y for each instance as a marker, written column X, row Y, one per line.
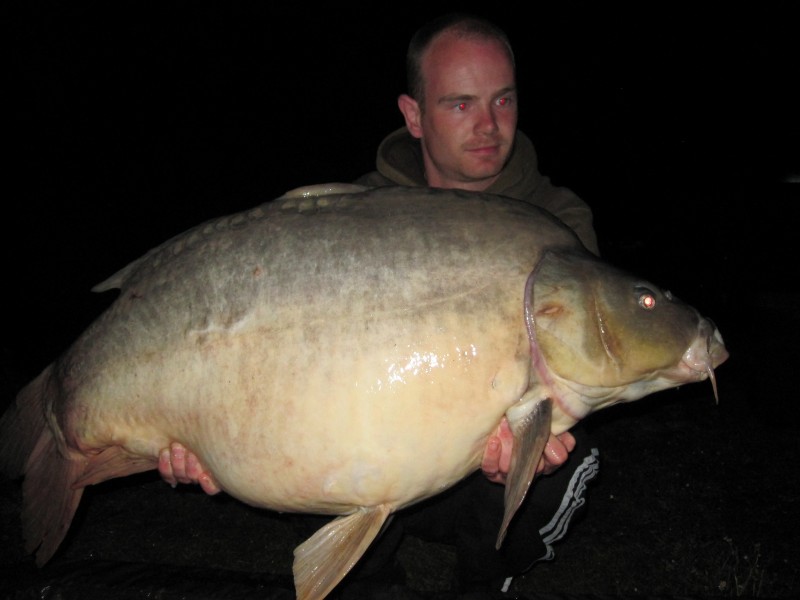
column 530, row 423
column 325, row 558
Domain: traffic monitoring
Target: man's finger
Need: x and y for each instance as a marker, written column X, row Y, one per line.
column 165, row 467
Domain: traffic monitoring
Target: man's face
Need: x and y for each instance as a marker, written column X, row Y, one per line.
column 469, row 118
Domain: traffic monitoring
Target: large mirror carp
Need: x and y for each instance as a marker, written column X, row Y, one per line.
column 348, row 352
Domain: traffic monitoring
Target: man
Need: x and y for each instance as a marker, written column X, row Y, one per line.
column 461, row 119
column 461, row 132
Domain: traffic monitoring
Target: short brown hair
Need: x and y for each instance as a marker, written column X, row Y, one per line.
column 464, row 25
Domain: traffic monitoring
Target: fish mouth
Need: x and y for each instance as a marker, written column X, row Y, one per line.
column 705, row 354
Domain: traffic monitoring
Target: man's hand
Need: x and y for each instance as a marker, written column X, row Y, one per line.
column 497, row 455
column 178, row 465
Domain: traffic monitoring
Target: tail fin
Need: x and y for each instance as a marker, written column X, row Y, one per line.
column 28, row 448
column 21, row 426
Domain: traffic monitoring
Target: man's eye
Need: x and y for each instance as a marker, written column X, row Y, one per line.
column 461, row 106
column 504, row 101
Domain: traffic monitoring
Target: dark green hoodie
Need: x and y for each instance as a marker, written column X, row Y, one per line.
column 399, row 162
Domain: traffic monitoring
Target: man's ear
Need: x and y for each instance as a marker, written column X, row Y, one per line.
column 411, row 112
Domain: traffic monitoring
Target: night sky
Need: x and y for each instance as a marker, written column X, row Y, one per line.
column 132, row 123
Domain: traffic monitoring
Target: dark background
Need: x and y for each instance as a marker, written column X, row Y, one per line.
column 130, row 122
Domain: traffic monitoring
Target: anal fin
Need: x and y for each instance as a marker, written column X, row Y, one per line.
column 49, row 500
column 113, row 462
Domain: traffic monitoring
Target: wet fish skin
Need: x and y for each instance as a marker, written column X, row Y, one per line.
column 345, row 354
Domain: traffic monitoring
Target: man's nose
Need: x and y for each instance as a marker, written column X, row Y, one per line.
column 487, row 121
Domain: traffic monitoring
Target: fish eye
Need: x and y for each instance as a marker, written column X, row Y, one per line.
column 647, row 301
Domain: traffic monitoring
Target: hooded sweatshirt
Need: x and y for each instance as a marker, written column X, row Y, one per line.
column 399, row 162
